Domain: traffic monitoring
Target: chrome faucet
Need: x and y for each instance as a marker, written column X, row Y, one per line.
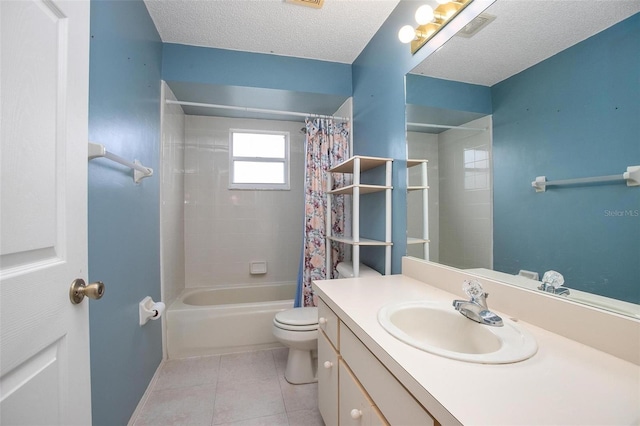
column 552, row 283
column 476, row 309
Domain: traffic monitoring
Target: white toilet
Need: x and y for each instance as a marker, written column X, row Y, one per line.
column 297, row 329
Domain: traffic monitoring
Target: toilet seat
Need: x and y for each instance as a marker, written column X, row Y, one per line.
column 297, row 319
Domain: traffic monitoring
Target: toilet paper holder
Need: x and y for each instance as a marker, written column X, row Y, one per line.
column 150, row 310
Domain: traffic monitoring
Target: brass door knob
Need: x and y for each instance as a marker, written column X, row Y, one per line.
column 79, row 289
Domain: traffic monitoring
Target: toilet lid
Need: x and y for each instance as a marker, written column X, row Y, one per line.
column 298, row 317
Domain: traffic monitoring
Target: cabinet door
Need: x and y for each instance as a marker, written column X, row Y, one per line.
column 327, row 380
column 398, row 406
column 377, row 419
column 355, row 407
column 329, row 323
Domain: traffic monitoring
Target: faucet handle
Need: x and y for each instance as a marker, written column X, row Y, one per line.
column 473, row 289
column 553, row 279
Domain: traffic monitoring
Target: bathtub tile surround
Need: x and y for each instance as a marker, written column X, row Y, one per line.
column 236, row 389
column 420, row 146
column 226, row 229
column 172, row 198
column 460, row 210
column 466, row 197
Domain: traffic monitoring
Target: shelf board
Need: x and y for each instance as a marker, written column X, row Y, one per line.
column 364, row 189
column 416, row 188
column 411, row 163
column 366, row 163
column 411, row 240
column 362, row 242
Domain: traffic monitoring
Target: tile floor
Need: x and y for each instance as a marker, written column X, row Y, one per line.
column 243, row 389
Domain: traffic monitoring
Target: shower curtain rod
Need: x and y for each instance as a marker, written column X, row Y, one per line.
column 442, row 126
column 259, row 110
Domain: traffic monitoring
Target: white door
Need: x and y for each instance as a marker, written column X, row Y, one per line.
column 44, row 339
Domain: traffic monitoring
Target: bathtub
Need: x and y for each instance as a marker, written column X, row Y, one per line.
column 218, row 320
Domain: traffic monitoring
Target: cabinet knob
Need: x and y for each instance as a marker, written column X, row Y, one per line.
column 322, row 320
column 328, row 364
column 355, row 414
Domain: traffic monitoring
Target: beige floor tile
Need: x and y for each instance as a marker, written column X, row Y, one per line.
column 305, row 418
column 280, row 357
column 299, row 397
column 183, row 406
column 245, row 400
column 277, row 420
column 246, row 367
column 188, row 372
column 245, row 389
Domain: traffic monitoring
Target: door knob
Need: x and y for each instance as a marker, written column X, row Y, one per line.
column 79, row 289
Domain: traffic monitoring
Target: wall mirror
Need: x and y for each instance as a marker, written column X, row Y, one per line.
column 532, row 89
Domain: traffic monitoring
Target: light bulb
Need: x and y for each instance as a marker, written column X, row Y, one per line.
column 424, row 14
column 406, row 34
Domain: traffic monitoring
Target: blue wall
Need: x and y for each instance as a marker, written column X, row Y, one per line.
column 233, row 68
column 447, row 94
column 124, row 115
column 576, row 114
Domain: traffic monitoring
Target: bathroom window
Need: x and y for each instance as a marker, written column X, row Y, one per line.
column 476, row 168
column 258, row 160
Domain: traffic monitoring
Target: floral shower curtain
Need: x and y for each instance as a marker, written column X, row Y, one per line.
column 327, row 144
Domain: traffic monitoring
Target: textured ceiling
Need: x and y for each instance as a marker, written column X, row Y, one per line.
column 523, row 34
column 336, row 33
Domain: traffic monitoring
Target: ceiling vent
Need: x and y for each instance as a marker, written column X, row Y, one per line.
column 317, row 4
column 477, row 24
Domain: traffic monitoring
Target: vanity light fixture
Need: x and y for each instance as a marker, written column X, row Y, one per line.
column 316, row 4
column 430, row 21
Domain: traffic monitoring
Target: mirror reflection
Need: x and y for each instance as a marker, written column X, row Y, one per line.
column 533, row 89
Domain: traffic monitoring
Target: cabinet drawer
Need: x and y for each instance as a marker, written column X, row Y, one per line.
column 328, row 322
column 327, row 380
column 396, row 404
column 356, row 408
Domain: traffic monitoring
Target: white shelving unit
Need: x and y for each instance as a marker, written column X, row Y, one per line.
column 355, row 166
column 424, row 188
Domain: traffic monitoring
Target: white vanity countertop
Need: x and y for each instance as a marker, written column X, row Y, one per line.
column 564, row 383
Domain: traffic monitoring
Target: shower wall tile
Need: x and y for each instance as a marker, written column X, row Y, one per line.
column 226, row 229
column 466, row 217
column 172, row 199
column 423, row 146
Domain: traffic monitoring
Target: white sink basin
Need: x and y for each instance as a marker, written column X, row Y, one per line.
column 436, row 327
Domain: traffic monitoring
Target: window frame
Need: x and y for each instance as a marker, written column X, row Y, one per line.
column 286, row 186
column 472, row 167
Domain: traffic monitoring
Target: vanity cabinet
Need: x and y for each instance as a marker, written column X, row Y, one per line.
column 354, row 388
column 328, row 357
column 355, row 166
column 356, row 407
column 418, row 183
